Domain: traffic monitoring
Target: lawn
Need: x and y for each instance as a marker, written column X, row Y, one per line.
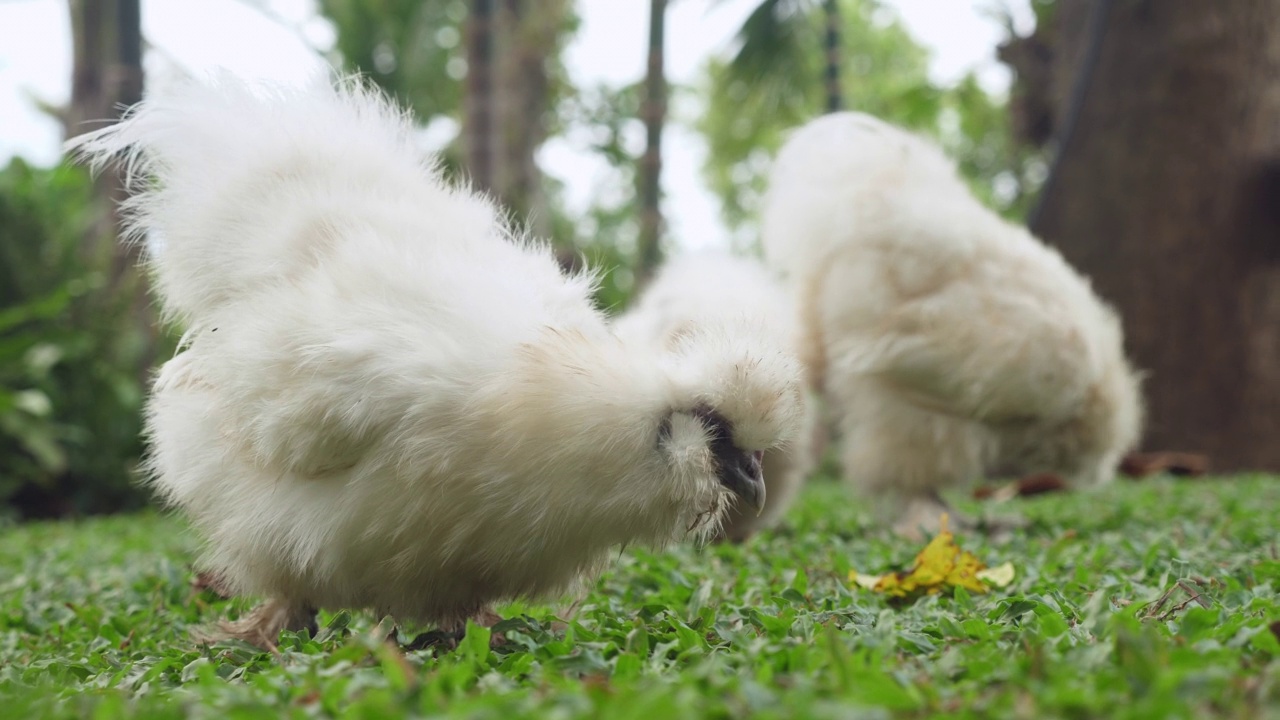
column 1153, row 599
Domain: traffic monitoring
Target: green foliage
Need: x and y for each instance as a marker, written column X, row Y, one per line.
column 975, row 130
column 71, row 360
column 1043, row 10
column 607, row 237
column 410, row 48
column 775, row 82
column 414, row 50
column 95, row 616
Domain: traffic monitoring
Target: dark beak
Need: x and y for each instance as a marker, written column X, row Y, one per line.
column 743, row 476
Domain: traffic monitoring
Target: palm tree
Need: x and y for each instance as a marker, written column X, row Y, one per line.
column 773, row 48
column 775, row 41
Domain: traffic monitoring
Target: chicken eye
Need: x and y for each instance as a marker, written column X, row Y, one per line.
column 720, row 429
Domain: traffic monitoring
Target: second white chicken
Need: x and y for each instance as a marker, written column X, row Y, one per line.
column 946, row 340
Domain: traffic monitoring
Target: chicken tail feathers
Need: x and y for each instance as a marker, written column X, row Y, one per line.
column 237, row 186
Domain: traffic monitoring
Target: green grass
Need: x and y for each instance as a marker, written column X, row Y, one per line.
column 94, row 621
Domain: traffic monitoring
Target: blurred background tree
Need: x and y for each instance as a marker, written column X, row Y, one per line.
column 653, row 112
column 491, row 69
column 1166, row 119
column 106, row 77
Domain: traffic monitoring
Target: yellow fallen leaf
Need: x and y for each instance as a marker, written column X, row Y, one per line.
column 999, row 576
column 940, row 566
column 966, row 573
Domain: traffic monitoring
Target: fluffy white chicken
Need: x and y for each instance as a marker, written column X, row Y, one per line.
column 947, row 341
column 716, row 291
column 387, row 401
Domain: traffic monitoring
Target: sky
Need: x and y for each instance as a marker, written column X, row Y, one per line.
column 35, row 65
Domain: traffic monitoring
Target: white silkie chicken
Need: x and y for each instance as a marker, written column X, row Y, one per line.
column 715, row 291
column 946, row 341
column 387, row 401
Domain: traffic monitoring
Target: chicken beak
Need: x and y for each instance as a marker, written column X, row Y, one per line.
column 745, row 478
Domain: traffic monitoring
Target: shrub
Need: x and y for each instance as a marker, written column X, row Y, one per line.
column 74, row 350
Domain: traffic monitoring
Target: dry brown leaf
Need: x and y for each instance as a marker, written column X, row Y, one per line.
column 1139, row 465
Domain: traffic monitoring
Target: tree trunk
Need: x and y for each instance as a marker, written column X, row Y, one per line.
column 106, row 80
column 106, row 77
column 526, row 38
column 126, row 86
column 106, row 72
column 654, row 113
column 831, row 44
column 1169, row 198
column 128, row 79
column 90, row 59
column 508, row 94
column 477, row 132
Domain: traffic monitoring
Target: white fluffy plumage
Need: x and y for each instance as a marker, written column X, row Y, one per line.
column 947, row 341
column 715, row 291
column 384, row 399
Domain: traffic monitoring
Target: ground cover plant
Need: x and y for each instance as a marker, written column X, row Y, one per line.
column 1153, row 599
